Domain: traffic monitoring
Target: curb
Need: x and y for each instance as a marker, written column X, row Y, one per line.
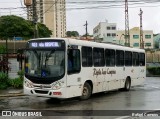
column 152, row 75
column 12, row 95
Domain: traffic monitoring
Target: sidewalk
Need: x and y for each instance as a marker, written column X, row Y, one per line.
column 11, row 92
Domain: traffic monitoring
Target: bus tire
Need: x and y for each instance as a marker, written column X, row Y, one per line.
column 127, row 85
column 86, row 92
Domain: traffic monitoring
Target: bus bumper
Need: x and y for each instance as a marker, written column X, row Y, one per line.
column 61, row 93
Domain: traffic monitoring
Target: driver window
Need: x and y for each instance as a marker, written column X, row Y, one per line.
column 73, row 65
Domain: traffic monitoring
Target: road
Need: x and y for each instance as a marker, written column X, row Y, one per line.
column 145, row 97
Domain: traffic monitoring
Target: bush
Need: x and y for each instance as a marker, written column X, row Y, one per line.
column 16, row 83
column 21, row 74
column 3, row 80
column 3, row 77
column 154, row 70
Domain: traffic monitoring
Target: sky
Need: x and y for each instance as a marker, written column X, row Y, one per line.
column 95, row 11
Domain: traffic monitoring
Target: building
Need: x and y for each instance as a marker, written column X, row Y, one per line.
column 105, row 32
column 52, row 13
column 135, row 38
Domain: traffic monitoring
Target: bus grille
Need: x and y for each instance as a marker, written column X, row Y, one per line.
column 40, row 86
column 41, row 91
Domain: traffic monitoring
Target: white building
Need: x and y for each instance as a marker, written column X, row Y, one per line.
column 52, row 13
column 105, row 32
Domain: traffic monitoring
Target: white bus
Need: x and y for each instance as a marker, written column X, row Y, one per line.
column 64, row 68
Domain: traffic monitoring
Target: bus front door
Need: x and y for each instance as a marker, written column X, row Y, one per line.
column 73, row 73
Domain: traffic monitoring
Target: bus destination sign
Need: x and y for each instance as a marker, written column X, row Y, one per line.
column 45, row 44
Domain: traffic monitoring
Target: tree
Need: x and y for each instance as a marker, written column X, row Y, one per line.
column 87, row 35
column 72, row 34
column 43, row 31
column 14, row 26
column 156, row 45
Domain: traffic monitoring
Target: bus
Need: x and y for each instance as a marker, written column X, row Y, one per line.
column 64, row 68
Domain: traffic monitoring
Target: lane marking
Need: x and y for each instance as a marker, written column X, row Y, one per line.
column 124, row 117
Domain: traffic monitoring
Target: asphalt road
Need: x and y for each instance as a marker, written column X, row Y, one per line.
column 110, row 105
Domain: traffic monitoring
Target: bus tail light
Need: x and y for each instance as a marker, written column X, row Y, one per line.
column 57, row 93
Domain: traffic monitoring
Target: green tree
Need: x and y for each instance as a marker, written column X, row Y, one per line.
column 156, row 44
column 11, row 26
column 72, row 33
column 2, row 49
column 43, row 31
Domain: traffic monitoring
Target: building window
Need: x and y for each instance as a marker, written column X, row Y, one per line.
column 108, row 28
column 113, row 35
column 113, row 28
column 148, row 44
column 135, row 36
column 136, row 45
column 108, row 35
column 148, row 36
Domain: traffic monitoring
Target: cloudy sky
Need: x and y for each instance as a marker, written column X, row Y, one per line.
column 95, row 11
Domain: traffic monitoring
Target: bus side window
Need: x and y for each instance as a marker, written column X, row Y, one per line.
column 110, row 57
column 74, row 64
column 141, row 59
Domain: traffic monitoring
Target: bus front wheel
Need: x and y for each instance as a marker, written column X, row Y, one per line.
column 86, row 92
column 127, row 85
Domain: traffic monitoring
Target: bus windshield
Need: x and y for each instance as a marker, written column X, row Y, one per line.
column 44, row 63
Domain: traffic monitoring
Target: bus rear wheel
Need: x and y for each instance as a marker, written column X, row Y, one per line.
column 127, row 85
column 86, row 92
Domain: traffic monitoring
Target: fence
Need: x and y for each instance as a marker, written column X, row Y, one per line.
column 9, row 64
column 153, row 56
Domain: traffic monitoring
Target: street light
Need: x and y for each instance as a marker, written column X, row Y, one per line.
column 120, row 38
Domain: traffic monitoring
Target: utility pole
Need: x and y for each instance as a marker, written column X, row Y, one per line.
column 86, row 29
column 35, row 18
column 31, row 6
column 127, row 35
column 141, row 31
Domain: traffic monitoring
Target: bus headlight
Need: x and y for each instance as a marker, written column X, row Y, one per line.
column 57, row 85
column 28, row 84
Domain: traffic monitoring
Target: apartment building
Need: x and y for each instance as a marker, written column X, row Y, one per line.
column 52, row 13
column 105, row 32
column 135, row 38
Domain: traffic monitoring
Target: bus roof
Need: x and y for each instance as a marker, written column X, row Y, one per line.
column 93, row 44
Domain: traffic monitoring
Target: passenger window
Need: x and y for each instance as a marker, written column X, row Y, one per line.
column 128, row 58
column 98, row 57
column 87, row 57
column 110, row 57
column 135, row 59
column 142, row 59
column 120, row 58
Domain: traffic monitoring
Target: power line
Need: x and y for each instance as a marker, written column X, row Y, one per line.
column 95, row 5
